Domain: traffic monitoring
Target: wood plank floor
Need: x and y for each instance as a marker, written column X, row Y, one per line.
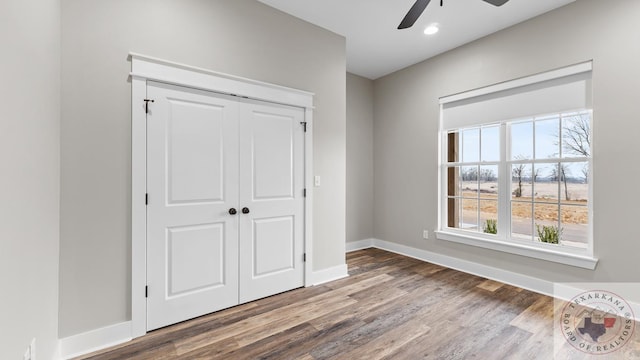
column 390, row 307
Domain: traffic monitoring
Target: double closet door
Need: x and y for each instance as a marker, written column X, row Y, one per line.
column 225, row 202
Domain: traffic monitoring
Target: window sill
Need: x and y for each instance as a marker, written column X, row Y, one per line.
column 577, row 260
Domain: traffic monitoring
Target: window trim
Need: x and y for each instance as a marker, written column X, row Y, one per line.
column 583, row 258
column 523, row 81
column 534, row 250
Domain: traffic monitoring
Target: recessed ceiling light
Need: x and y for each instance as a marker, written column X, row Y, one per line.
column 431, row 29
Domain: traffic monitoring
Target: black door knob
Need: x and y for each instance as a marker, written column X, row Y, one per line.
column 232, row 211
column 245, row 210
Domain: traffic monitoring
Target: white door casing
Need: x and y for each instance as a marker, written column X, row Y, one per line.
column 145, row 69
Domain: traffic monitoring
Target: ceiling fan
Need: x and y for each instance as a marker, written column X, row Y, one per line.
column 417, row 9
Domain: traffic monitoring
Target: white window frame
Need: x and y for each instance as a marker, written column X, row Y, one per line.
column 583, row 258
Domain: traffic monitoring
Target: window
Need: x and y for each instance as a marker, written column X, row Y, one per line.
column 521, row 184
column 546, row 175
column 472, row 180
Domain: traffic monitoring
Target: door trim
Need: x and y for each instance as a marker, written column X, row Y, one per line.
column 145, row 68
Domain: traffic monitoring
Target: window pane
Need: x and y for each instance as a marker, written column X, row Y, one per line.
column 469, row 219
column 545, row 186
column 470, row 145
column 545, row 214
column 489, row 182
column 573, row 183
column 521, row 220
column 521, row 181
column 522, row 141
column 546, row 223
column 489, row 216
column 491, row 143
column 547, row 139
column 575, row 225
column 576, row 136
column 469, row 181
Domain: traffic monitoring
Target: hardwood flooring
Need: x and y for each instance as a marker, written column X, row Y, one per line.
column 390, row 307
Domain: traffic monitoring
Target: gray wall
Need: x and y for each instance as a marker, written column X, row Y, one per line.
column 406, row 131
column 359, row 158
column 29, row 179
column 240, row 37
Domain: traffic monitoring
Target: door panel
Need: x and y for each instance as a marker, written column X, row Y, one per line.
column 272, row 154
column 271, row 187
column 274, row 245
column 192, row 167
column 195, row 258
column 195, row 148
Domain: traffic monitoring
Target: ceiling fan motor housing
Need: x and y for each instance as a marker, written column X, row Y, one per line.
column 418, row 8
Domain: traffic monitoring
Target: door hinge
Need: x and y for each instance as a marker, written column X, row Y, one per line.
column 146, row 291
column 304, row 257
column 146, row 105
column 304, row 192
column 304, row 123
column 146, row 199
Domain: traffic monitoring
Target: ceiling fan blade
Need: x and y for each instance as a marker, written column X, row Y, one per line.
column 496, row 2
column 413, row 14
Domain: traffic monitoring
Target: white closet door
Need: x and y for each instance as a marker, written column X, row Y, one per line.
column 192, row 172
column 271, row 190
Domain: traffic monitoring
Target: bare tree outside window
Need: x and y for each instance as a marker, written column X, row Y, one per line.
column 585, row 174
column 562, row 176
column 536, row 173
column 470, row 174
column 518, row 172
column 576, row 140
column 487, row 175
column 576, row 135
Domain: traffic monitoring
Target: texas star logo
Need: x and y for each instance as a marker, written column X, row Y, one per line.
column 597, row 322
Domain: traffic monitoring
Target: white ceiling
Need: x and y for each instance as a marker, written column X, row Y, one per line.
column 376, row 48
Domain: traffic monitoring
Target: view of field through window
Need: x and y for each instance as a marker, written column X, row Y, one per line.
column 546, row 162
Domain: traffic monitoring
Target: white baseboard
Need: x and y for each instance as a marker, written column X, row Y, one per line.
column 105, row 337
column 560, row 291
column 95, row 340
column 360, row 244
column 489, row 272
column 330, row 274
